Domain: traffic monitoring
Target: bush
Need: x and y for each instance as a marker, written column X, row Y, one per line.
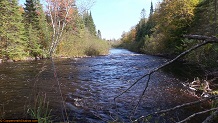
column 85, row 45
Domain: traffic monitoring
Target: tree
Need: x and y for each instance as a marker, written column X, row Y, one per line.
column 99, row 34
column 151, row 10
column 89, row 23
column 30, row 14
column 143, row 13
column 36, row 25
column 144, row 27
column 33, row 42
column 12, row 38
column 43, row 32
column 173, row 18
column 59, row 12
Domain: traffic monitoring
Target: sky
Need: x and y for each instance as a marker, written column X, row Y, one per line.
column 113, row 17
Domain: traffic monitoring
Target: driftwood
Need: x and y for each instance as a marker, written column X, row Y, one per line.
column 205, row 39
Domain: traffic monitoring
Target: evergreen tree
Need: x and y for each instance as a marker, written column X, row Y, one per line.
column 43, row 31
column 89, row 23
column 151, row 10
column 143, row 13
column 99, row 34
column 92, row 25
column 33, row 45
column 12, row 38
column 36, row 25
column 30, row 15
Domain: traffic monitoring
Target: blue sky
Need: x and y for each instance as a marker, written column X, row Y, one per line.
column 113, row 17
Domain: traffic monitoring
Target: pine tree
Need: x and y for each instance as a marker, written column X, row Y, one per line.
column 43, row 32
column 151, row 10
column 30, row 15
column 143, row 13
column 33, row 45
column 36, row 27
column 89, row 23
column 99, row 34
column 12, row 38
column 92, row 25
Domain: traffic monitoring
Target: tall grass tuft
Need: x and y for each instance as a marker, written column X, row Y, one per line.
column 40, row 110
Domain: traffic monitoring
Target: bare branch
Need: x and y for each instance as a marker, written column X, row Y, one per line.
column 143, row 93
column 206, row 40
column 201, row 37
column 198, row 37
column 180, row 106
column 84, row 5
column 193, row 115
column 211, row 118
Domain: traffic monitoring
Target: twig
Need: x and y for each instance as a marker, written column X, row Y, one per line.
column 211, row 118
column 143, row 93
column 193, row 115
column 202, row 37
column 59, row 87
column 179, row 106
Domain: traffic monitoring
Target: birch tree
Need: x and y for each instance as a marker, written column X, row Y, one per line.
column 59, row 12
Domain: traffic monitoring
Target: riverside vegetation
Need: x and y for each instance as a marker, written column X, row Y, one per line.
column 26, row 33
column 162, row 32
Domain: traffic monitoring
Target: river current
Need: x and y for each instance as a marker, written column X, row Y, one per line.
column 88, row 87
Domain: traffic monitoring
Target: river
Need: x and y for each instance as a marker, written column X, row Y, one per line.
column 88, row 87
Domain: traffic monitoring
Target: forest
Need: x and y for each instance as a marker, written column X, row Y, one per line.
column 162, row 32
column 27, row 32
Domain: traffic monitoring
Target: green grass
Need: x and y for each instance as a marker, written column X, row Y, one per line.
column 40, row 110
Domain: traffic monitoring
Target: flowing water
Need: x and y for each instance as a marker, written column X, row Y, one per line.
column 88, row 87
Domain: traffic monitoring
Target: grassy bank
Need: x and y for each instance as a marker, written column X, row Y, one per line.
column 83, row 45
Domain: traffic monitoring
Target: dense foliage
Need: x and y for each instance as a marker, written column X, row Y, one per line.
column 12, row 34
column 161, row 33
column 84, row 42
column 26, row 32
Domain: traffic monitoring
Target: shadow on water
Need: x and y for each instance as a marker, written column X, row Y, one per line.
column 184, row 71
column 89, row 86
